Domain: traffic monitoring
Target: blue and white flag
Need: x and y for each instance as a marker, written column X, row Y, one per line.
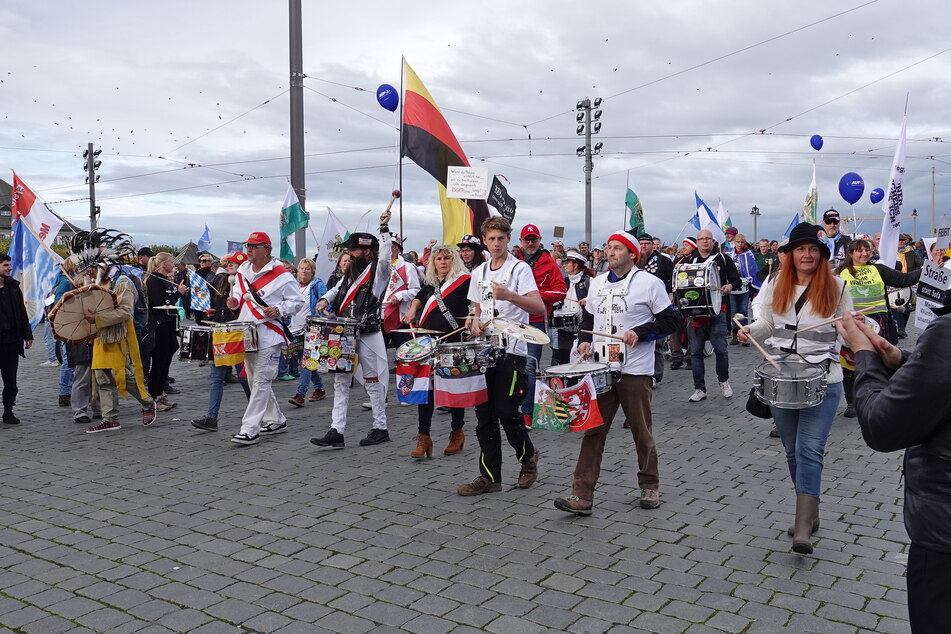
column 201, row 294
column 708, row 220
column 234, row 246
column 796, row 219
column 205, row 240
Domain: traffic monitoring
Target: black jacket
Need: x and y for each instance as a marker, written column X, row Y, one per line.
column 909, row 409
column 21, row 321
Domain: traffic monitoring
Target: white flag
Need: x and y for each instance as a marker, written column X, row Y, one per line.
column 891, row 206
column 334, row 232
column 810, row 207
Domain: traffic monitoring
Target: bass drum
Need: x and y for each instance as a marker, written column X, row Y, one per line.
column 696, row 287
column 900, row 299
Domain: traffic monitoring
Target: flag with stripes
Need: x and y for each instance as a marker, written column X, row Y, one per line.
column 201, row 294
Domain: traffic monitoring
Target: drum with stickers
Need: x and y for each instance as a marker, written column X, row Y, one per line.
column 558, row 377
column 195, row 343
column 454, row 360
column 230, row 340
column 330, row 344
column 696, row 287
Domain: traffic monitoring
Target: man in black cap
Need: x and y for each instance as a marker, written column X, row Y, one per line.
column 662, row 268
column 357, row 296
column 143, row 258
column 840, row 241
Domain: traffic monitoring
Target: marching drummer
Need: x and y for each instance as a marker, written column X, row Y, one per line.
column 264, row 291
column 702, row 328
column 502, row 287
column 576, row 275
column 805, row 294
column 630, row 303
column 357, row 296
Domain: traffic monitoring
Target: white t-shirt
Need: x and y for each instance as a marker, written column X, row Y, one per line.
column 517, row 276
column 644, row 297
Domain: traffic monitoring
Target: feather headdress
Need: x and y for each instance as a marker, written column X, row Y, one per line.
column 99, row 247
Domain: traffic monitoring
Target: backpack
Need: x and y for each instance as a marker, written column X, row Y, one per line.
column 140, row 311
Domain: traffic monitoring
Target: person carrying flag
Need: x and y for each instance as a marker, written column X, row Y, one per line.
column 443, row 298
column 357, row 296
column 629, row 302
column 264, row 291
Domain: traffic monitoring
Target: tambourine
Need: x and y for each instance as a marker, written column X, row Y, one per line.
column 68, row 317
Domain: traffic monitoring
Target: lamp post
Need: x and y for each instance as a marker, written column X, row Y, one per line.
column 914, row 218
column 756, row 214
column 588, row 123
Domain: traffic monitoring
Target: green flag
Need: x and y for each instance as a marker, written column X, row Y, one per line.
column 293, row 218
column 632, row 202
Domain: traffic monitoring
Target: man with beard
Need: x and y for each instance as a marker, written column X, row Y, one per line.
column 357, row 296
column 552, row 289
column 661, row 267
column 839, row 241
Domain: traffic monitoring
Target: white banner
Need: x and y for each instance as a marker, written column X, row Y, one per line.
column 468, row 182
column 334, row 232
column 891, row 206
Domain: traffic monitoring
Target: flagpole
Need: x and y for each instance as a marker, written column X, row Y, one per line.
column 676, row 239
column 402, row 95
column 627, row 186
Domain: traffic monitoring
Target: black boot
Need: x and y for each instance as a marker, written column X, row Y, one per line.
column 9, row 418
column 332, row 438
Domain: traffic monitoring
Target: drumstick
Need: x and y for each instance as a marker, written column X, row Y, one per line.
column 603, row 334
column 736, row 320
column 449, row 334
column 834, row 319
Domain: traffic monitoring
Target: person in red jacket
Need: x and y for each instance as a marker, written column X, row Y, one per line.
column 552, row 289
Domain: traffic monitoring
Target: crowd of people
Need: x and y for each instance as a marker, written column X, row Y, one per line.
column 586, row 299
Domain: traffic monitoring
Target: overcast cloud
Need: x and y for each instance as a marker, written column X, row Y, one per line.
column 149, row 83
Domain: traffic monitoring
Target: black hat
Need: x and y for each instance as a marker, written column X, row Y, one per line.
column 362, row 240
column 830, row 214
column 395, row 239
column 146, row 251
column 472, row 242
column 805, row 232
column 646, row 236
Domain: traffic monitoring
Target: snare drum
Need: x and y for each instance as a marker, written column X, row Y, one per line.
column 796, row 385
column 195, row 343
column 696, row 287
column 558, row 377
column 330, row 344
column 569, row 322
column 231, row 340
column 418, row 350
column 453, row 360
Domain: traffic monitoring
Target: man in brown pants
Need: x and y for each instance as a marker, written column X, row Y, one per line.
column 630, row 303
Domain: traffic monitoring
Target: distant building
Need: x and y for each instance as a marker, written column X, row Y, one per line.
column 6, row 216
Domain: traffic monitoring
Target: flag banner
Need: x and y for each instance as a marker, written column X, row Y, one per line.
column 429, row 142
column 891, row 206
column 723, row 216
column 293, row 218
column 204, row 242
column 792, row 225
column 234, row 246
column 633, row 203
column 500, row 199
column 227, row 346
column 412, row 383
column 39, row 219
column 573, row 408
column 695, row 220
column 708, row 221
column 812, row 200
column 462, row 391
column 200, row 293
column 327, row 252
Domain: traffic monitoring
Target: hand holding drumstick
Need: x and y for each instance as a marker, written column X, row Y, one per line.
column 743, row 335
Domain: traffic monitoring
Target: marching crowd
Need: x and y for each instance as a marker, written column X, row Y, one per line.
column 680, row 300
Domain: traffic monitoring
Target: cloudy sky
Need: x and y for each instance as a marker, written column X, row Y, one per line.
column 189, row 103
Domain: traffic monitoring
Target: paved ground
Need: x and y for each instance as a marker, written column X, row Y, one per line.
column 171, row 529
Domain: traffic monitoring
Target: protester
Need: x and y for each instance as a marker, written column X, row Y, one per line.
column 15, row 337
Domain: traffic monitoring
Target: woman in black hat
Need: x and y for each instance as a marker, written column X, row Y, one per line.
column 804, row 294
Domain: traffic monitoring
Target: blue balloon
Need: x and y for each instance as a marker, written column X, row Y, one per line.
column 388, row 97
column 876, row 195
column 816, row 142
column 851, row 187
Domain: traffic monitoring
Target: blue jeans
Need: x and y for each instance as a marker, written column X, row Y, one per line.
column 309, row 377
column 50, row 342
column 804, row 433
column 740, row 304
column 218, row 387
column 716, row 332
column 65, row 375
column 531, row 369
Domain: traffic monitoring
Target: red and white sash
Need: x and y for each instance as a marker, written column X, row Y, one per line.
column 357, row 283
column 399, row 282
column 257, row 285
column 445, row 290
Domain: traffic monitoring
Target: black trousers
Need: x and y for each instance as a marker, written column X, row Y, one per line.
column 507, row 384
column 9, row 362
column 166, row 343
column 458, row 415
column 929, row 577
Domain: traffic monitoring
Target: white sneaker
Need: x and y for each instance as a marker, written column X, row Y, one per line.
column 49, row 364
column 697, row 396
column 727, row 390
column 366, row 405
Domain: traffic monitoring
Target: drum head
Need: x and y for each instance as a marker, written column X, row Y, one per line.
column 575, row 369
column 521, row 331
column 68, row 318
column 790, row 370
column 416, row 349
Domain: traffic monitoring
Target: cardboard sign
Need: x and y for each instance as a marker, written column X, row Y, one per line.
column 932, row 289
column 467, row 182
column 559, row 232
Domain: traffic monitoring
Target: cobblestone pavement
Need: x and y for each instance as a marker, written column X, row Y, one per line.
column 170, row 529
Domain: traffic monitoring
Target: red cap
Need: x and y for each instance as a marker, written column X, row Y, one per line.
column 238, row 257
column 628, row 240
column 530, row 230
column 258, row 237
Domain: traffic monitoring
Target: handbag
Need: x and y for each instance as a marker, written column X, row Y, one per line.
column 756, row 407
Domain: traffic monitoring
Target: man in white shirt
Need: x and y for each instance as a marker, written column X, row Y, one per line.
column 630, row 303
column 403, row 286
column 264, row 291
column 503, row 286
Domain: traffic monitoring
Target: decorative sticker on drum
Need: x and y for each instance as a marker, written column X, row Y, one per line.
column 614, row 353
column 698, row 281
column 311, row 364
column 323, row 350
column 335, row 352
column 331, row 363
column 682, row 275
column 338, row 329
column 692, row 295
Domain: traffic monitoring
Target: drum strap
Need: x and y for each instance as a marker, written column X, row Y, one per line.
column 611, row 293
column 799, row 305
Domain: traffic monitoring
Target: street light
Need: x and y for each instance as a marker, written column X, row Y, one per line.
column 756, row 214
column 914, row 216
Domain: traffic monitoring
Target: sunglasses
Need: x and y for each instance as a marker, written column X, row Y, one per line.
column 831, row 222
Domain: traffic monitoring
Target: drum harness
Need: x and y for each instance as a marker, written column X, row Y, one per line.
column 609, row 327
column 793, row 349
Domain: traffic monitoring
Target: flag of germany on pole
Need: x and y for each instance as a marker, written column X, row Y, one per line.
column 429, row 142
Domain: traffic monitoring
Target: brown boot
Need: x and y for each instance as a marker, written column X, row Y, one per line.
column 424, row 447
column 792, row 529
column 807, row 512
column 529, row 472
column 456, row 440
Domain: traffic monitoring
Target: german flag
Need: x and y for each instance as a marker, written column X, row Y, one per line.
column 429, row 142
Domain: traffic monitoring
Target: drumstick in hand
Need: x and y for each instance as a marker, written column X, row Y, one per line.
column 834, row 319
column 603, row 334
column 736, row 320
